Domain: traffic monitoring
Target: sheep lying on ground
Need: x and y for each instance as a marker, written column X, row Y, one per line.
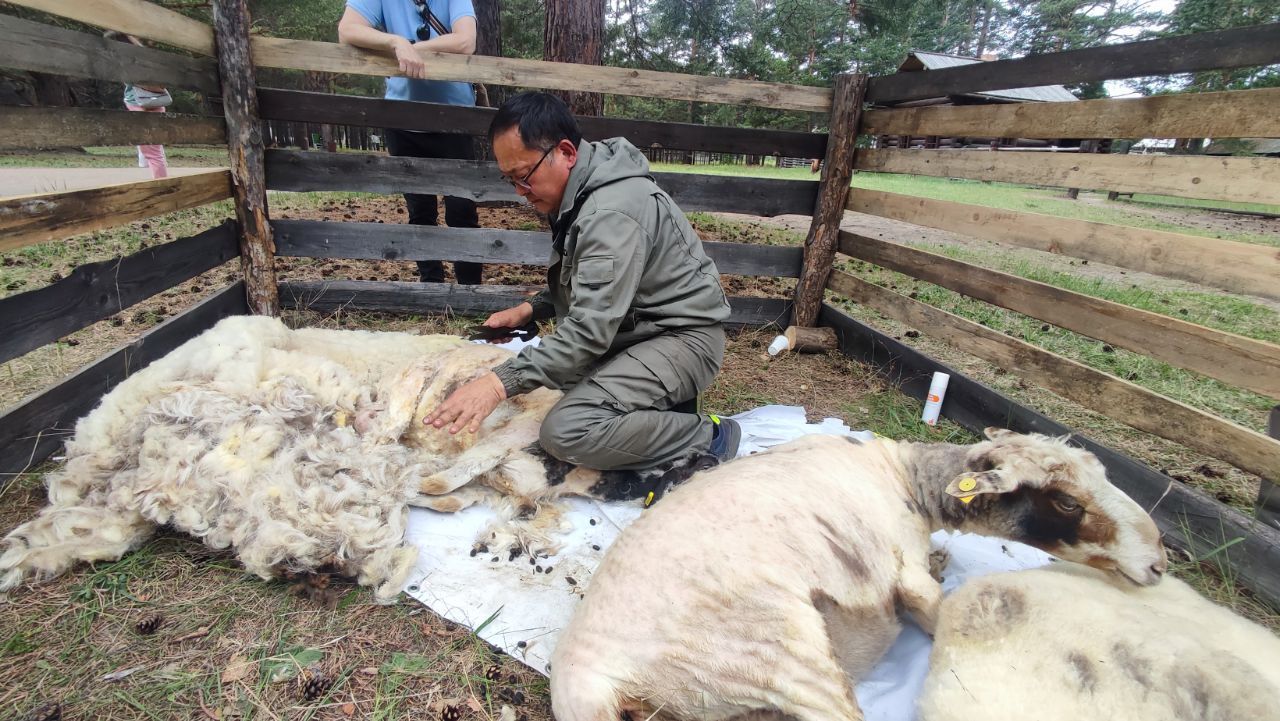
column 298, row 449
column 1069, row 643
column 769, row 584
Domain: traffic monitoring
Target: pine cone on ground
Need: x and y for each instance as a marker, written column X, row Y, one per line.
column 493, row 673
column 148, row 625
column 45, row 712
column 450, row 713
column 315, row 684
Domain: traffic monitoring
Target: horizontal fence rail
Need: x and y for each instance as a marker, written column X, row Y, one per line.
column 1236, row 114
column 29, row 219
column 28, row 128
column 299, row 106
column 1196, row 177
column 1236, row 48
column 401, row 297
column 95, row 291
column 35, row 47
column 32, row 430
column 378, row 241
column 1233, row 359
column 1224, row 264
column 1118, row 399
column 334, row 58
column 1188, row 520
column 481, row 181
column 136, row 17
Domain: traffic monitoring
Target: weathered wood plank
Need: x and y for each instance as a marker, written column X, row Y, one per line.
column 32, row 430
column 333, row 58
column 1187, row 177
column 481, row 181
column 378, row 241
column 32, row 46
column 95, row 291
column 1188, row 520
column 136, row 17
column 1269, row 490
column 1224, row 264
column 1234, row 359
column 248, row 169
column 29, row 128
column 1120, row 400
column 29, row 219
column 400, row 297
column 828, row 210
column 301, row 106
column 1235, row 114
column 1235, row 48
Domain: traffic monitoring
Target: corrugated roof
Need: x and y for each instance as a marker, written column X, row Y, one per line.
column 935, row 61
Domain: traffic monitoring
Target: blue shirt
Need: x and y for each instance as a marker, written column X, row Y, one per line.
column 400, row 17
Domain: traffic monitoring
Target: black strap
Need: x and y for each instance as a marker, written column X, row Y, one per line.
column 425, row 10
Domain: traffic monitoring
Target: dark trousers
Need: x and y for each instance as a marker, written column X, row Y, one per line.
column 458, row 212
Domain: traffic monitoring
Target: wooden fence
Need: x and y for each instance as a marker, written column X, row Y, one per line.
column 30, row 432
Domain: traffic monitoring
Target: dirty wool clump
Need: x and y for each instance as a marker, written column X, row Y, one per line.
column 296, row 448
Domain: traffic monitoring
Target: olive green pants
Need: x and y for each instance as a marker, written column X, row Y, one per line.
column 620, row 417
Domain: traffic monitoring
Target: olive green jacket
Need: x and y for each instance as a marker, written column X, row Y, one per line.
column 625, row 266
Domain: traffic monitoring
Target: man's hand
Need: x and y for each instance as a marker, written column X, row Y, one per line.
column 511, row 317
column 468, row 406
column 411, row 64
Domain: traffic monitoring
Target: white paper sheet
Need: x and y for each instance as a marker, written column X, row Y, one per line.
column 521, row 610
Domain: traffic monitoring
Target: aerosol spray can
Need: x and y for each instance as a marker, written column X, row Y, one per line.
column 933, row 402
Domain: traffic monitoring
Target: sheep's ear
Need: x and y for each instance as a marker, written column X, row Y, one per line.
column 967, row 485
column 994, row 433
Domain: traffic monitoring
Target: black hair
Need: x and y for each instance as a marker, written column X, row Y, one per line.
column 542, row 118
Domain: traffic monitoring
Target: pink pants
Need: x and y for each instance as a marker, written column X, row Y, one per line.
column 153, row 154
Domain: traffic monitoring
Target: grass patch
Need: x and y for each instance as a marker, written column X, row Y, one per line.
column 1198, row 204
column 114, row 157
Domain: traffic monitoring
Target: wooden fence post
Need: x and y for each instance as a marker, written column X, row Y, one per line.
column 1268, row 490
column 244, row 145
column 833, row 190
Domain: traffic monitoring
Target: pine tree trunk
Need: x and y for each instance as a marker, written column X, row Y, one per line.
column 489, row 42
column 574, row 33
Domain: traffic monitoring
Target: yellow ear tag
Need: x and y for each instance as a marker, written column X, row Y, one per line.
column 966, row 500
column 340, row 419
column 648, row 499
column 967, row 484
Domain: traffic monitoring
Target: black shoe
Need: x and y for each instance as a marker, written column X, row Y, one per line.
column 725, row 438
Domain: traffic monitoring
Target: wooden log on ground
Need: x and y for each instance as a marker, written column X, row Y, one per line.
column 1234, row 359
column 1189, row 520
column 95, row 291
column 402, row 298
column 334, row 58
column 833, row 190
column 811, row 340
column 32, row 46
column 35, row 428
column 1228, row 265
column 481, row 181
column 248, row 168
column 379, row 241
column 1186, row 177
column 1234, row 48
column 136, row 17
column 1120, row 400
column 29, row 128
column 381, row 113
column 29, row 219
column 1233, row 114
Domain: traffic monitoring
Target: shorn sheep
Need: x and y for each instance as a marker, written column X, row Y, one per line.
column 1067, row 642
column 768, row 585
column 298, row 449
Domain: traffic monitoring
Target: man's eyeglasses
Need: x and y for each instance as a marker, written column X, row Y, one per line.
column 429, row 22
column 524, row 182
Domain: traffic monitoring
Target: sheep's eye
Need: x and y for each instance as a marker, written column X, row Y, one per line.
column 1066, row 504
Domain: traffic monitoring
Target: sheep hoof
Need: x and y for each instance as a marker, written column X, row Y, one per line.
column 938, row 561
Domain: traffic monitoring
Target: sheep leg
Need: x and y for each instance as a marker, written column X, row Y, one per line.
column 55, row 540
column 921, row 595
column 473, row 463
column 464, row 497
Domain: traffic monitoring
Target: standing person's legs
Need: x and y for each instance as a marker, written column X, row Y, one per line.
column 152, row 155
column 620, row 417
column 459, row 212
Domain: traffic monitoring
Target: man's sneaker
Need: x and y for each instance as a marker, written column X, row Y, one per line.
column 726, row 434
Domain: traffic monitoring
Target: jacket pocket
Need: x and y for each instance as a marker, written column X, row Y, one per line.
column 594, row 271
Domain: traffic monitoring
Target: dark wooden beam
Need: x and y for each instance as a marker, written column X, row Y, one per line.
column 95, row 291
column 379, row 241
column 36, row 47
column 244, row 140
column 400, row 297
column 481, row 181
column 833, row 191
column 298, row 106
column 29, row 128
column 34, row 429
column 1236, row 48
column 1268, row 490
column 1189, row 520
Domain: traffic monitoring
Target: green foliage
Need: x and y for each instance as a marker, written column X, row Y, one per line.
column 1198, row 16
